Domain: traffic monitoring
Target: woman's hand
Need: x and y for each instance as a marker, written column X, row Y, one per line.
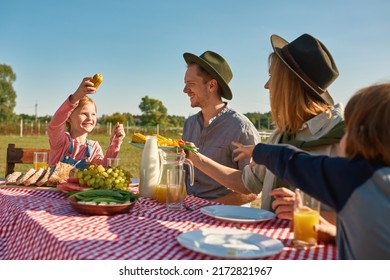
column 326, row 231
column 284, row 209
column 283, row 203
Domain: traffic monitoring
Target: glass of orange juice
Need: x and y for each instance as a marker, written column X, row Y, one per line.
column 40, row 160
column 306, row 216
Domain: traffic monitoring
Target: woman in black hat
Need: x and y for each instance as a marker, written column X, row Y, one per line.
column 304, row 115
column 302, row 110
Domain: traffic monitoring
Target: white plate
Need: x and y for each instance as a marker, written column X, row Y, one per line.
column 237, row 213
column 230, row 243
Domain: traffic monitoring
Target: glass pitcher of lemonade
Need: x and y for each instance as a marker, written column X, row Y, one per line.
column 171, row 161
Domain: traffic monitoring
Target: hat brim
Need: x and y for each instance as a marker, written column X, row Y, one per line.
column 278, row 43
column 191, row 58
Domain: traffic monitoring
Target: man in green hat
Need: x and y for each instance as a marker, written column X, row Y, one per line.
column 216, row 125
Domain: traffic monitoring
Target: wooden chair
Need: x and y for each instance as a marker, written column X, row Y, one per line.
column 20, row 155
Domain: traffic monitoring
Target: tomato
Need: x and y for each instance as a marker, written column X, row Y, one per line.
column 181, row 143
column 73, row 180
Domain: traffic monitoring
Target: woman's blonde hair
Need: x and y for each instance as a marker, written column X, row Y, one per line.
column 367, row 117
column 82, row 102
column 292, row 102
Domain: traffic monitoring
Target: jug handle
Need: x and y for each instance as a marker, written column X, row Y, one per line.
column 161, row 156
column 191, row 165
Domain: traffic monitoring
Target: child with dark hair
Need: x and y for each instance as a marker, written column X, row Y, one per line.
column 357, row 185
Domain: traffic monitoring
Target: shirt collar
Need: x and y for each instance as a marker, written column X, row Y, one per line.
column 224, row 109
column 319, row 122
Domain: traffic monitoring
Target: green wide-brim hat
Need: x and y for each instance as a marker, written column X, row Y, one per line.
column 216, row 66
column 309, row 59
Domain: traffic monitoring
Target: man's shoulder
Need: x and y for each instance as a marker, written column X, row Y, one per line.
column 191, row 119
column 240, row 118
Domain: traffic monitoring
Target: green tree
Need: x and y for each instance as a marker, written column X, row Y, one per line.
column 260, row 120
column 129, row 118
column 116, row 117
column 154, row 112
column 7, row 92
column 175, row 121
column 123, row 118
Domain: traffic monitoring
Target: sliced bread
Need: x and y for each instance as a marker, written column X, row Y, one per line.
column 25, row 176
column 13, row 177
column 33, row 179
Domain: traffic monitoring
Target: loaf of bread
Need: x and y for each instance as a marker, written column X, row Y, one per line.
column 60, row 174
column 50, row 176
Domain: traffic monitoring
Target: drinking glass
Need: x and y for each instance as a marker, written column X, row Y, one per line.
column 113, row 162
column 306, row 216
column 40, row 160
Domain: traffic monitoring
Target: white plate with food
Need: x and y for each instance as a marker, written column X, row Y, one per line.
column 238, row 214
column 230, row 243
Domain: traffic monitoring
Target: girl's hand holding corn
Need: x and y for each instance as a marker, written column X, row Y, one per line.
column 88, row 85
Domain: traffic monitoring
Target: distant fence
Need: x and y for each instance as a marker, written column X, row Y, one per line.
column 23, row 128
column 264, row 135
column 37, row 128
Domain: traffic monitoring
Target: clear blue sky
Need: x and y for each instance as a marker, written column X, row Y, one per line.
column 138, row 44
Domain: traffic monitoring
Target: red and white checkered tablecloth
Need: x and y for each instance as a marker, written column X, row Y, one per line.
column 36, row 224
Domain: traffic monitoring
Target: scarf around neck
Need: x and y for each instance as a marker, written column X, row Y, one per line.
column 332, row 137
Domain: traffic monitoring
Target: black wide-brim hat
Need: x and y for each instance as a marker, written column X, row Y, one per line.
column 310, row 61
column 216, row 66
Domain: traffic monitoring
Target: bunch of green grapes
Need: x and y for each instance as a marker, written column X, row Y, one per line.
column 99, row 177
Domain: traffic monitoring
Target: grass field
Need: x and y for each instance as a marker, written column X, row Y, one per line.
column 130, row 156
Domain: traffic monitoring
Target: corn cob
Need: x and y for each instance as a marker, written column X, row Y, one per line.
column 161, row 140
column 97, row 79
column 138, row 138
column 159, row 137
